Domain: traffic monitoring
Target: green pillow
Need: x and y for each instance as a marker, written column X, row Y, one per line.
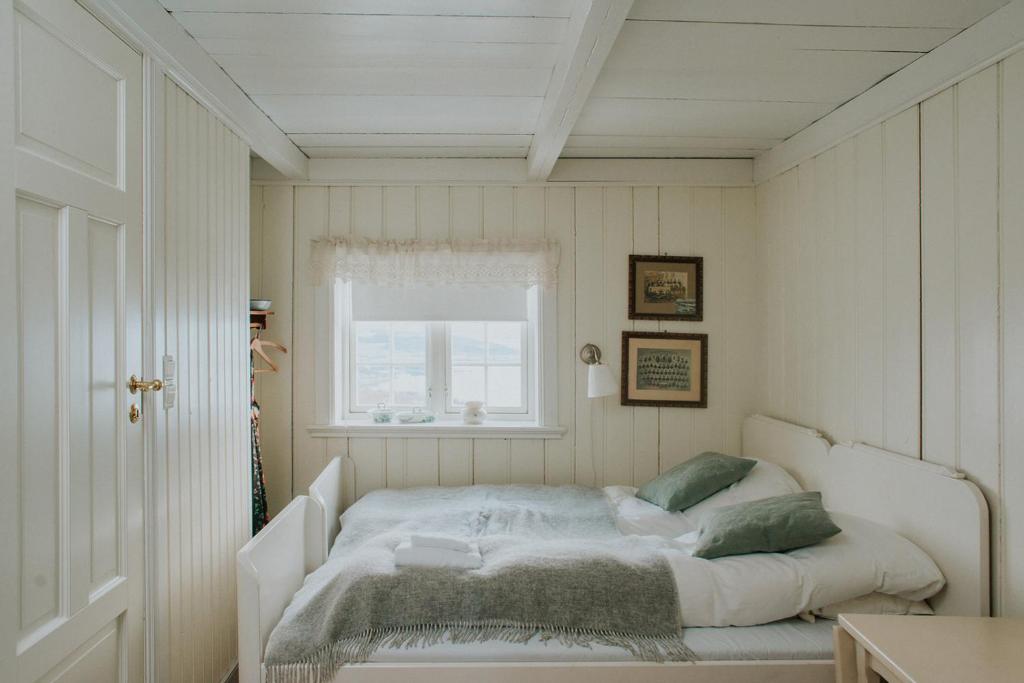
column 691, row 482
column 770, row 525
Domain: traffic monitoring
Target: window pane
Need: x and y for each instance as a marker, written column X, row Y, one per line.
column 373, row 384
column 467, row 384
column 504, row 342
column 504, row 386
column 410, row 385
column 410, row 343
column 372, row 342
column 468, row 343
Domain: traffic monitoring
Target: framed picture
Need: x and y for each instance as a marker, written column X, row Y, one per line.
column 664, row 369
column 666, row 287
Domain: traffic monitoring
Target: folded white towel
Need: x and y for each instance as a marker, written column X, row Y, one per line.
column 446, row 542
column 408, row 555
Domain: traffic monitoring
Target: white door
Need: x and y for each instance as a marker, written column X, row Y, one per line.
column 78, row 222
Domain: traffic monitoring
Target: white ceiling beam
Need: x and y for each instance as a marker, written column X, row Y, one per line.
column 148, row 26
column 978, row 47
column 592, row 30
column 394, row 171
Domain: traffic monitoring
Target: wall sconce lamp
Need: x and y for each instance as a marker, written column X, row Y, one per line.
column 600, row 381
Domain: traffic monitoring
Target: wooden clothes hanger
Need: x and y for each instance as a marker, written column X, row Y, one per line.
column 258, row 345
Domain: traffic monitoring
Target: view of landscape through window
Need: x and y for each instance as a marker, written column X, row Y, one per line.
column 482, row 361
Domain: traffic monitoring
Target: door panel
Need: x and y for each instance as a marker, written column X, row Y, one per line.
column 78, row 155
column 38, row 232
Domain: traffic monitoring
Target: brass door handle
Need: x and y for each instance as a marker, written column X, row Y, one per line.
column 135, row 384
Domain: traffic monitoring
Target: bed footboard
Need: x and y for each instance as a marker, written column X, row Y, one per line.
column 271, row 567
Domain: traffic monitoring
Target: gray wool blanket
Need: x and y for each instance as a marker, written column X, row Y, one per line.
column 554, row 566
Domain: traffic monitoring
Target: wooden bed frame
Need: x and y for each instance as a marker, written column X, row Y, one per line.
column 933, row 506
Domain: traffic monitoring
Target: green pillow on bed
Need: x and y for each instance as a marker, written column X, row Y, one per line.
column 770, row 525
column 691, row 482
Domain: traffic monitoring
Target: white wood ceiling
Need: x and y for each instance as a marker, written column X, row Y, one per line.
column 468, row 78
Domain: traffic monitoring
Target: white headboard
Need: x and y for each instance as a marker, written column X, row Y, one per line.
column 936, row 508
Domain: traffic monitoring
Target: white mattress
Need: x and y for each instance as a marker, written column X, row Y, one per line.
column 788, row 639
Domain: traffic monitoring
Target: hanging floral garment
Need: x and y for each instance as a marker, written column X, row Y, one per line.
column 259, row 486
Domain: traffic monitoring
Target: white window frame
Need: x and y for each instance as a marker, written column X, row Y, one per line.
column 541, row 361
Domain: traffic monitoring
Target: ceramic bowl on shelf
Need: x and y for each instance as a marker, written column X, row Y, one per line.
column 382, row 414
column 259, row 304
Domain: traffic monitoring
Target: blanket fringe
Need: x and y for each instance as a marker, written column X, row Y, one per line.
column 322, row 667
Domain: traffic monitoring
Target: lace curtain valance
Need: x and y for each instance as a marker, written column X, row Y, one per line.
column 394, row 263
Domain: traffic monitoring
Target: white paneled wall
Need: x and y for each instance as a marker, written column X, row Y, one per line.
column 202, row 445
column 839, row 265
column 972, row 150
column 892, row 310
column 597, row 227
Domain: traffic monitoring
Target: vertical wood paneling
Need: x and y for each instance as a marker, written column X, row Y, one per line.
column 934, row 346
column 490, row 461
column 645, row 419
column 617, row 425
column 434, row 214
column 838, row 236
column 803, row 342
column 737, row 347
column 827, row 311
column 590, row 328
column 312, row 219
column 977, row 247
column 400, row 213
column 709, row 242
column 1010, row 544
column 870, row 284
column 790, row 282
column 526, row 461
column 455, row 457
column 422, row 463
column 939, row 278
column 847, row 417
column 467, row 212
column 206, row 438
column 560, row 219
column 675, row 237
column 902, row 285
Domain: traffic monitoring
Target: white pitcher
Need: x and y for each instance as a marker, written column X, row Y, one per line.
column 473, row 413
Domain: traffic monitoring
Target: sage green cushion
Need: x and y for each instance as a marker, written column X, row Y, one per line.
column 771, row 525
column 691, row 482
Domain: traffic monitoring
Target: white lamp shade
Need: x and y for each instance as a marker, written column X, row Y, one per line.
column 600, row 381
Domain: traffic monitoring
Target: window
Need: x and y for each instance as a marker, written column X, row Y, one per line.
column 441, row 363
column 390, row 363
column 486, row 363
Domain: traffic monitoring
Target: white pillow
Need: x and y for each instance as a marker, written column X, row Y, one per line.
column 765, row 480
column 874, row 603
column 744, row 590
column 867, row 558
column 637, row 517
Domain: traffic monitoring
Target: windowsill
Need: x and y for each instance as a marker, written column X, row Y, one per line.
column 433, row 430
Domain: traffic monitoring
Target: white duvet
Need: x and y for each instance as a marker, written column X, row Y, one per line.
column 746, row 590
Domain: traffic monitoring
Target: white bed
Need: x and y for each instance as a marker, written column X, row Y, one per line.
column 892, row 490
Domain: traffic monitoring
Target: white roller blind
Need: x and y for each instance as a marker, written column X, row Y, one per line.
column 438, row 302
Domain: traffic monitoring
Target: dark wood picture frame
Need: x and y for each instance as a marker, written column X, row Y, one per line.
column 701, row 402
column 637, row 313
